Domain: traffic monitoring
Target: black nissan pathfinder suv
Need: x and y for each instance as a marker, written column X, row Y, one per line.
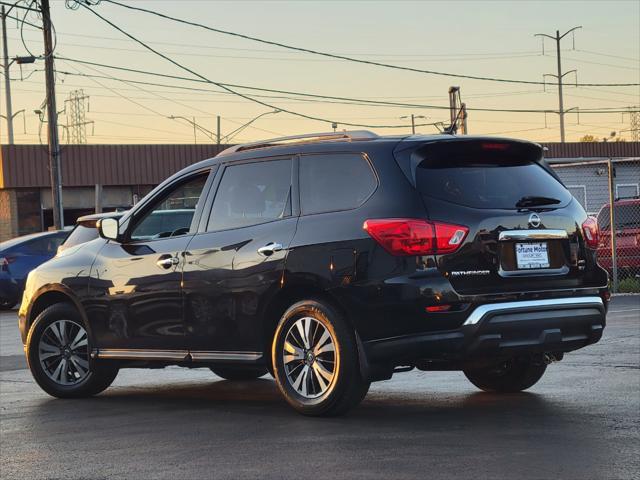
column 330, row 261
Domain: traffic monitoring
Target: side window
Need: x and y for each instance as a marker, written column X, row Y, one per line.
column 252, row 193
column 331, row 182
column 171, row 215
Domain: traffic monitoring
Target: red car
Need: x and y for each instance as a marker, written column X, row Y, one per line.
column 627, row 216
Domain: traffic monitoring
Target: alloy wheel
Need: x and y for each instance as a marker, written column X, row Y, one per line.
column 63, row 352
column 310, row 357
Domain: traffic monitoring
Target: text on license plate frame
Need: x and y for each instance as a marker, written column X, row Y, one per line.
column 532, row 256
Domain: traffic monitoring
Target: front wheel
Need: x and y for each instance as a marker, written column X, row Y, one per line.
column 58, row 354
column 315, row 359
column 513, row 375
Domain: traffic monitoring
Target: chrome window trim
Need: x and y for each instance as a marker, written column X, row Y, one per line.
column 480, row 312
column 532, row 235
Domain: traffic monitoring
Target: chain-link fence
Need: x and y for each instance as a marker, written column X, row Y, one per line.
column 610, row 189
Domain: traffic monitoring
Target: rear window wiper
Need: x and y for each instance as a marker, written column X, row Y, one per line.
column 534, row 201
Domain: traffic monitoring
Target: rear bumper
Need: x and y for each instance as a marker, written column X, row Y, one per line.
column 500, row 330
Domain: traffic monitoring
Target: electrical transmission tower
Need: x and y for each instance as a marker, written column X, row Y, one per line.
column 76, row 119
column 634, row 120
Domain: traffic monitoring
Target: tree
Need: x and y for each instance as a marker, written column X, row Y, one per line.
column 588, row 139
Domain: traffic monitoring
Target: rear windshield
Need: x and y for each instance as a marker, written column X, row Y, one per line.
column 627, row 216
column 81, row 234
column 488, row 182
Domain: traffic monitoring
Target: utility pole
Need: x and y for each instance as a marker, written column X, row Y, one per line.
column 557, row 38
column 457, row 112
column 218, row 129
column 7, row 82
column 52, row 113
column 413, row 121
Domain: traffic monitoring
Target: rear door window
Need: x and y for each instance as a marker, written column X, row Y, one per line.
column 332, row 182
column 252, row 193
column 486, row 182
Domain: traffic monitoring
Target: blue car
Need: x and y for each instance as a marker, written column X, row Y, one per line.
column 19, row 256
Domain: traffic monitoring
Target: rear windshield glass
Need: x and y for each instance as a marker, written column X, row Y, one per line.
column 627, row 216
column 487, row 182
column 81, row 234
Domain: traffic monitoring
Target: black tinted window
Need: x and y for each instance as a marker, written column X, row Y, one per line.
column 331, row 182
column 487, row 182
column 172, row 214
column 252, row 193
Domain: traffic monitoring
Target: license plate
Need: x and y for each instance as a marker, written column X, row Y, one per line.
column 532, row 255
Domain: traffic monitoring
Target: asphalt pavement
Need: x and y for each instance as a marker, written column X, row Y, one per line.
column 581, row 421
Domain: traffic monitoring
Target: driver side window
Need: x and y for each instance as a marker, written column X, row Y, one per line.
column 172, row 214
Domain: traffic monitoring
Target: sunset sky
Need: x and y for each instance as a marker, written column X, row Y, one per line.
column 494, row 39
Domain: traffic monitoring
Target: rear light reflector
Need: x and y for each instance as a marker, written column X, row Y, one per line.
column 591, row 233
column 438, row 308
column 407, row 236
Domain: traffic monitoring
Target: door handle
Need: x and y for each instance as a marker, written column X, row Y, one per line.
column 168, row 262
column 269, row 249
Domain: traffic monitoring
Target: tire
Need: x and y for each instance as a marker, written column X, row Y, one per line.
column 333, row 383
column 7, row 304
column 239, row 373
column 58, row 355
column 514, row 375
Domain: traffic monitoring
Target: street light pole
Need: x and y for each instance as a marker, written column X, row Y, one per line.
column 7, row 82
column 557, row 38
column 52, row 113
column 413, row 121
column 229, row 136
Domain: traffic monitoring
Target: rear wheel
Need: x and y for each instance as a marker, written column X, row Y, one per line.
column 58, row 353
column 513, row 375
column 315, row 359
column 239, row 373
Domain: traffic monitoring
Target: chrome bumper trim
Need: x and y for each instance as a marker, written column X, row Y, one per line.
column 532, row 235
column 480, row 312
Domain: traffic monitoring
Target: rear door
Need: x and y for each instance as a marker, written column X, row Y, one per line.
column 237, row 262
column 525, row 228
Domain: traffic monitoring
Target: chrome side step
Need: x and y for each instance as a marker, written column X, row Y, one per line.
column 173, row 355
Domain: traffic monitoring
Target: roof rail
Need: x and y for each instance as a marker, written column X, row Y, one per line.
column 350, row 136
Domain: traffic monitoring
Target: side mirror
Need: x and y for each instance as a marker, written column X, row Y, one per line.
column 108, row 228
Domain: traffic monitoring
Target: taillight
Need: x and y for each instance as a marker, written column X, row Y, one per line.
column 591, row 232
column 406, row 236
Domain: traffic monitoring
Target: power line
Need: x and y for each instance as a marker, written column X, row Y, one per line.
column 288, row 92
column 230, row 90
column 326, row 54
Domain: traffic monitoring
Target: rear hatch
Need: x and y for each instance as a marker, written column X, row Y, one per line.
column 525, row 228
